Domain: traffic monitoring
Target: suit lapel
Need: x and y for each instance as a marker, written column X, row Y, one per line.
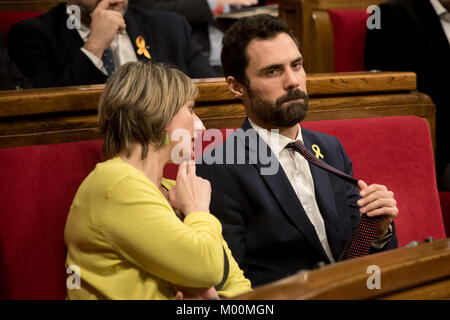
column 283, row 192
column 432, row 27
column 135, row 29
column 324, row 198
column 69, row 38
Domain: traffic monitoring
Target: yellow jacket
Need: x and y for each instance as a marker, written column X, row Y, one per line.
column 128, row 243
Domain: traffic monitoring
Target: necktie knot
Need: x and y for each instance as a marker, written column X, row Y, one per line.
column 299, row 147
column 298, row 144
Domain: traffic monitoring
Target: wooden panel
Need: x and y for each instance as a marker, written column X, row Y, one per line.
column 311, row 23
column 68, row 99
column 42, row 116
column 420, row 272
column 331, row 108
column 360, row 82
column 322, row 50
column 434, row 291
column 28, row 5
column 343, row 4
column 42, row 101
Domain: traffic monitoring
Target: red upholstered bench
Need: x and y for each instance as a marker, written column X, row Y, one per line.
column 7, row 19
column 37, row 186
column 38, row 183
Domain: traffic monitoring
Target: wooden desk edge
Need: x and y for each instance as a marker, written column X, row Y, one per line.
column 69, row 99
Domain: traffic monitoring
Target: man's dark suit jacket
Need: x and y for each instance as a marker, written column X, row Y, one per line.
column 10, row 76
column 411, row 38
column 197, row 13
column 49, row 54
column 264, row 223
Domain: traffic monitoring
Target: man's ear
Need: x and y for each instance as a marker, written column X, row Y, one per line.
column 236, row 87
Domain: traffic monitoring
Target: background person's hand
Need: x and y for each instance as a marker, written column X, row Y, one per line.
column 236, row 2
column 190, row 193
column 184, row 293
column 377, row 200
column 105, row 25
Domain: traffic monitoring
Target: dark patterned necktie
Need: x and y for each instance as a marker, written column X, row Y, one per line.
column 108, row 61
column 363, row 235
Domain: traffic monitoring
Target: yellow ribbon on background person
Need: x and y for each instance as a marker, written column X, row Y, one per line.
column 140, row 42
column 316, row 149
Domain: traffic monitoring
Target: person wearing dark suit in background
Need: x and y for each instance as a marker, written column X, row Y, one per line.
column 51, row 51
column 10, row 76
column 415, row 36
column 197, row 13
column 201, row 16
column 279, row 214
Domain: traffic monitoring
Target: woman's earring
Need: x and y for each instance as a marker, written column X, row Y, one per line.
column 166, row 140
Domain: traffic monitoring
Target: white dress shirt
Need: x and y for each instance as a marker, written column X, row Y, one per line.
column 444, row 16
column 122, row 49
column 297, row 170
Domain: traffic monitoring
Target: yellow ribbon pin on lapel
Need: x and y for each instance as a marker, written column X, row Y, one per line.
column 140, row 42
column 316, row 149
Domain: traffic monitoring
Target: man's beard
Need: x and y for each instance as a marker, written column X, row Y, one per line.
column 277, row 115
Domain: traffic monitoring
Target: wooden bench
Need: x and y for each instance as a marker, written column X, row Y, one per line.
column 49, row 175
column 53, row 115
column 39, row 182
column 414, row 273
column 311, row 23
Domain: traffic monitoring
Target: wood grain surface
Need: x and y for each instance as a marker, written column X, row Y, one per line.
column 42, row 116
column 420, row 272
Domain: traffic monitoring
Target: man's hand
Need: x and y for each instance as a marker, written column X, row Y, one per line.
column 105, row 25
column 377, row 200
column 196, row 293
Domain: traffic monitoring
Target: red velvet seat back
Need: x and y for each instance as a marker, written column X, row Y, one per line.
column 7, row 19
column 349, row 34
column 37, row 186
column 396, row 152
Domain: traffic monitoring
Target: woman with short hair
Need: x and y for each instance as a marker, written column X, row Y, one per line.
column 122, row 230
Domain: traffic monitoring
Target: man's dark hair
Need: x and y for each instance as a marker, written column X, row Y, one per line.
column 238, row 36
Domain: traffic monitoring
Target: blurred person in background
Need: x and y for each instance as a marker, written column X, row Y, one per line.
column 53, row 50
column 201, row 15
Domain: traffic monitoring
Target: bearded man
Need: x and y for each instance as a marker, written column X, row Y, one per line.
column 83, row 41
column 278, row 222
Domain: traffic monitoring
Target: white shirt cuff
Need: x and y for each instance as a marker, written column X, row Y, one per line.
column 95, row 60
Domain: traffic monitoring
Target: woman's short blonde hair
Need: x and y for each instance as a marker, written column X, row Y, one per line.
column 138, row 103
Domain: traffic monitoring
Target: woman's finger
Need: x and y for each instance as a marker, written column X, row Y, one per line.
column 191, row 168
